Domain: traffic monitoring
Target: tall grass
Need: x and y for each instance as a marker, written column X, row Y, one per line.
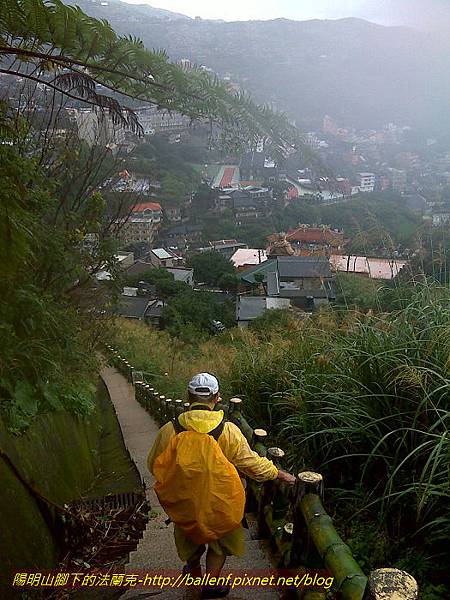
column 168, row 362
column 366, row 401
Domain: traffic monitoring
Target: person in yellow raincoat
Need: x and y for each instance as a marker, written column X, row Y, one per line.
column 203, row 391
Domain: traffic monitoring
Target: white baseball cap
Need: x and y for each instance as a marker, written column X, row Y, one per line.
column 203, row 384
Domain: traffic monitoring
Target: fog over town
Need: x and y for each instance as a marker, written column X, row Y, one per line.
column 224, row 299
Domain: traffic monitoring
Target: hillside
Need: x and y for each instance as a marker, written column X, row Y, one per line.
column 360, row 73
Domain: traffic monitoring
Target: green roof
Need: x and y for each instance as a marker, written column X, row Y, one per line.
column 265, row 267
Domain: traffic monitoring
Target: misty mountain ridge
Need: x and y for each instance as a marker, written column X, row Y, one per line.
column 98, row 8
column 361, row 73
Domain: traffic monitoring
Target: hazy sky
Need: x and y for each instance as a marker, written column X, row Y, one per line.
column 421, row 13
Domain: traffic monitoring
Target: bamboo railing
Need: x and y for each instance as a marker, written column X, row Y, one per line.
column 293, row 518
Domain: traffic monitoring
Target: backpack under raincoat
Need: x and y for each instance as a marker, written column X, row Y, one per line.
column 197, row 485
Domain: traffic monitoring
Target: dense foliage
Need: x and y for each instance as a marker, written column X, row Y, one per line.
column 212, row 268
column 187, row 314
column 46, row 357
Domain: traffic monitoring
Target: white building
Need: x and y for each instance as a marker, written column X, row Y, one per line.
column 97, row 129
column 161, row 121
column 366, row 182
column 441, row 219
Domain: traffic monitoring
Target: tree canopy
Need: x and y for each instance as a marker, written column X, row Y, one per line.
column 211, row 267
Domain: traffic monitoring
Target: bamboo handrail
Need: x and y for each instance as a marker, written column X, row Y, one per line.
column 312, row 530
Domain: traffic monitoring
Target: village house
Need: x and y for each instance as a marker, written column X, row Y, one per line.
column 248, row 203
column 160, row 257
column 224, row 247
column 181, row 236
column 143, row 223
column 249, row 308
column 244, row 258
column 140, row 267
column 174, row 213
column 133, row 306
column 306, row 280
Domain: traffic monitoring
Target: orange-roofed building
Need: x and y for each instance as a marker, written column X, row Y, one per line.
column 144, row 206
column 323, row 241
column 143, row 223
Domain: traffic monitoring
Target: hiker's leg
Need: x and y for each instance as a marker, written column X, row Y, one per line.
column 189, row 552
column 193, row 561
column 214, row 562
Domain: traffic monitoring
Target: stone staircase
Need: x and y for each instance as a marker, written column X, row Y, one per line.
column 156, row 551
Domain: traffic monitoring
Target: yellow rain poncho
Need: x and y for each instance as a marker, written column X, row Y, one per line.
column 235, row 448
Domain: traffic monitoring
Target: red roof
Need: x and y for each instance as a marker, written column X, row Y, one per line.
column 311, row 235
column 146, row 205
column 227, row 177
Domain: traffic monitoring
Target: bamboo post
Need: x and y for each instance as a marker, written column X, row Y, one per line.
column 169, row 409
column 149, row 398
column 281, row 494
column 238, row 419
column 391, row 584
column 149, row 392
column 162, row 408
column 235, row 407
column 156, row 407
column 146, row 396
column 259, row 437
column 309, row 482
column 285, row 545
column 302, row 552
column 222, row 405
column 268, row 491
column 276, row 455
column 139, row 391
column 178, row 407
column 288, row 530
column 349, row 579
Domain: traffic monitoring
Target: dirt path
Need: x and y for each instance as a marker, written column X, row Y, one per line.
column 156, row 551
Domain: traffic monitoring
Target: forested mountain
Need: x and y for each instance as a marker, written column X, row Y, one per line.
column 360, row 73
